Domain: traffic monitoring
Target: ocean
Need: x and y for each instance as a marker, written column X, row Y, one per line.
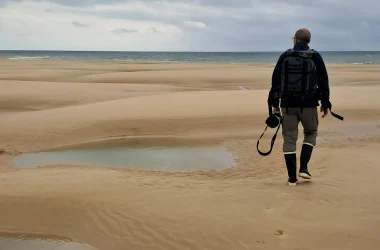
column 333, row 57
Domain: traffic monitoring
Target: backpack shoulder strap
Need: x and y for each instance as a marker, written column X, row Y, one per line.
column 311, row 51
column 289, row 52
column 314, row 54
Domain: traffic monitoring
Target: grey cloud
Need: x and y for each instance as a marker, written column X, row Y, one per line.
column 85, row 3
column 250, row 24
column 124, row 31
column 79, row 25
column 153, row 30
column 226, row 3
column 137, row 15
column 4, row 3
column 270, row 24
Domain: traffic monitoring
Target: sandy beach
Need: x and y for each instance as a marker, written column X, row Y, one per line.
column 47, row 105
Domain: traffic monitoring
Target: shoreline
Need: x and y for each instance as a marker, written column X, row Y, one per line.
column 177, row 62
column 126, row 61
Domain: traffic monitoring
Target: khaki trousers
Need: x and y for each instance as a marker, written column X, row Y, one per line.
column 309, row 120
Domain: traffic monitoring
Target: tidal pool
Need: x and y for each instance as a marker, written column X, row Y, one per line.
column 178, row 159
column 29, row 243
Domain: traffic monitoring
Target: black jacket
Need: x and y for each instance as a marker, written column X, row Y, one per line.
column 323, row 82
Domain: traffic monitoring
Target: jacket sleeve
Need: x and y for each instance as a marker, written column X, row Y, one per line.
column 274, row 93
column 323, row 79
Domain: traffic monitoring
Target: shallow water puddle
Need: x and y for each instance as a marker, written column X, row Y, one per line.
column 362, row 84
column 243, row 88
column 179, row 159
column 28, row 243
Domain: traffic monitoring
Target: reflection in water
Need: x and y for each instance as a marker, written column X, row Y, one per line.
column 30, row 243
column 181, row 159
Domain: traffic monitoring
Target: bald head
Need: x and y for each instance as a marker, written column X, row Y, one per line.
column 303, row 35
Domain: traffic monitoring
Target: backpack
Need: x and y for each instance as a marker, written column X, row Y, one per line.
column 298, row 76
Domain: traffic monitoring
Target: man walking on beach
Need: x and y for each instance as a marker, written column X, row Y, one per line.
column 300, row 80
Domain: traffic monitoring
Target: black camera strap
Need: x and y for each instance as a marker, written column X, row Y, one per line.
column 271, row 144
column 273, row 138
column 336, row 115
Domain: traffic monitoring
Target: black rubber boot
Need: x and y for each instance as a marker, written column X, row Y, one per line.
column 306, row 152
column 291, row 165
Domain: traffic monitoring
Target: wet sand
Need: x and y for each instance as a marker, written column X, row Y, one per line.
column 57, row 104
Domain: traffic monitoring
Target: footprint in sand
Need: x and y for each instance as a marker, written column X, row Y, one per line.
column 279, row 233
column 269, row 210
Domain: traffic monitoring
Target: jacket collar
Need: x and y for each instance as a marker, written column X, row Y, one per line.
column 301, row 46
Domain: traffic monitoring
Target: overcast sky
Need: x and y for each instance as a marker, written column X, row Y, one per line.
column 187, row 25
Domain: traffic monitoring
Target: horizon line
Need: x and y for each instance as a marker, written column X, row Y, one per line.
column 178, row 51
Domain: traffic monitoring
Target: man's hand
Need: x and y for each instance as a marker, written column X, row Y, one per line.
column 325, row 106
column 276, row 110
column 325, row 112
